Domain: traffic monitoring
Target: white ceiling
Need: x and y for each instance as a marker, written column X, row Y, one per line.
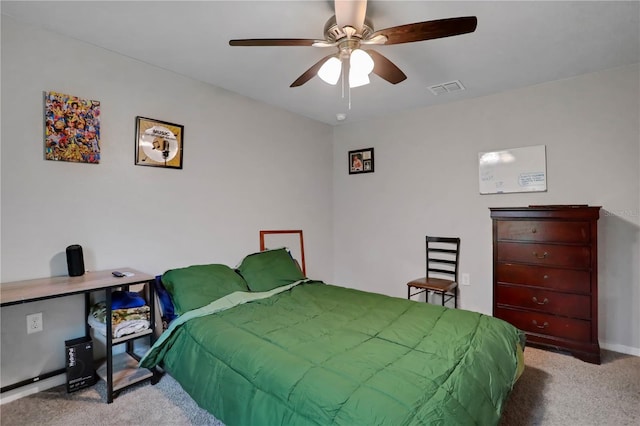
column 516, row 44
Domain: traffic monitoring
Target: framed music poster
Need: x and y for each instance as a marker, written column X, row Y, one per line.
column 158, row 143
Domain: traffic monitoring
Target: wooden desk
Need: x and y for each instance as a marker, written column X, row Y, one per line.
column 17, row 292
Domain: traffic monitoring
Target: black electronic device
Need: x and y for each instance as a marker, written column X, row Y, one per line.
column 79, row 363
column 75, row 260
column 118, row 274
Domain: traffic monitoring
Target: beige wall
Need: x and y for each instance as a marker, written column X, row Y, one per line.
column 426, row 182
column 247, row 166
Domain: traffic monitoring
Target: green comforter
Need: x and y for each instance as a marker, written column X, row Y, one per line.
column 321, row 354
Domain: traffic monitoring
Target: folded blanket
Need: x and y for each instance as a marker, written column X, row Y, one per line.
column 123, row 321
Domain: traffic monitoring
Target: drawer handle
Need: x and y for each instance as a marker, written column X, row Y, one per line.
column 545, row 325
column 544, row 302
column 534, row 230
column 544, row 255
column 546, row 277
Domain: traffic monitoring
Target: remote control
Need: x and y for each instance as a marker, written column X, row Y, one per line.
column 118, row 274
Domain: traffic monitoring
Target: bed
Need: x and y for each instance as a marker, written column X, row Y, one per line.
column 263, row 345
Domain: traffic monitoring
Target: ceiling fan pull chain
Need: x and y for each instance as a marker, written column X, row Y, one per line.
column 348, row 88
column 346, row 69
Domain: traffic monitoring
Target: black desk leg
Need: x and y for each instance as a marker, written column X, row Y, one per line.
column 109, row 345
column 87, row 311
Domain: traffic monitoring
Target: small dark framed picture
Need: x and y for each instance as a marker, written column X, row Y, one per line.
column 158, row 143
column 361, row 161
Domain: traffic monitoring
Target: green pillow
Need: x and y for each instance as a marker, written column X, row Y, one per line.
column 266, row 270
column 198, row 285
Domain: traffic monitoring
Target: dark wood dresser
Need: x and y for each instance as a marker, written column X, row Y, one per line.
column 545, row 275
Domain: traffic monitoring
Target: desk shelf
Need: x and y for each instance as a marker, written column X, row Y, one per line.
column 126, row 372
column 123, row 339
column 121, row 370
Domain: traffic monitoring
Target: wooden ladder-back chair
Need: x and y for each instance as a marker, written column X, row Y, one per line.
column 442, row 270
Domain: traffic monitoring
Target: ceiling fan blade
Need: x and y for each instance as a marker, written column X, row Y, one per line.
column 311, row 72
column 386, row 69
column 273, row 42
column 428, row 30
column 379, row 39
column 351, row 13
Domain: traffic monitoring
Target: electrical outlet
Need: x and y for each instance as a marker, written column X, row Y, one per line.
column 466, row 279
column 34, row 323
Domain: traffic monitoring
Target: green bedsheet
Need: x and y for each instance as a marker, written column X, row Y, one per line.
column 320, row 354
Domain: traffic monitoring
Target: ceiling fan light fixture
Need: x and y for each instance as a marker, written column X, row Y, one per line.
column 357, row 79
column 360, row 66
column 361, row 62
column 330, row 71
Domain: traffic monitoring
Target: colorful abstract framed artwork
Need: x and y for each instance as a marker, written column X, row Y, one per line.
column 158, row 143
column 71, row 128
column 361, row 161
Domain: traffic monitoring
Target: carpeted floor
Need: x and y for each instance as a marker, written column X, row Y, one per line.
column 555, row 389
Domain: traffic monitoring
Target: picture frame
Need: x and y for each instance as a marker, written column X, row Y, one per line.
column 361, row 161
column 71, row 128
column 289, row 237
column 158, row 143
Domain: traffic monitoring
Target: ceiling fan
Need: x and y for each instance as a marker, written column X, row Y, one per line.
column 348, row 30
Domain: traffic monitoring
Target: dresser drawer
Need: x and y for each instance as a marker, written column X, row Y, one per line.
column 545, row 254
column 534, row 322
column 541, row 230
column 569, row 305
column 542, row 276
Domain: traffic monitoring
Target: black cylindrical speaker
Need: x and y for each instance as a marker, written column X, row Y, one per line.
column 75, row 260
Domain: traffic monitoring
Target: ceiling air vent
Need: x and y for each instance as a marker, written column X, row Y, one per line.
column 452, row 86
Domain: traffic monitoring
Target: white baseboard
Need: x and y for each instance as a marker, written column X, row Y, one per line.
column 629, row 350
column 26, row 390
